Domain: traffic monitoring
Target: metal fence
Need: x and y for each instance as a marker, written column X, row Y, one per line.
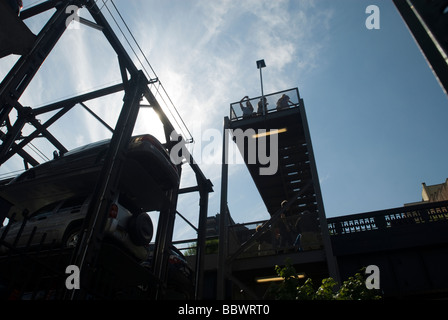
column 389, row 219
column 271, row 104
column 265, row 238
column 383, row 220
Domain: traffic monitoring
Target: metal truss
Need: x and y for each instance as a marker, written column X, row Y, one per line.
column 134, row 85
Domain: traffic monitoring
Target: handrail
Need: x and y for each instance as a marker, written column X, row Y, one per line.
column 386, row 220
column 389, row 219
column 236, row 112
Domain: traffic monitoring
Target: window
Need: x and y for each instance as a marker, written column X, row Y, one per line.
column 48, row 209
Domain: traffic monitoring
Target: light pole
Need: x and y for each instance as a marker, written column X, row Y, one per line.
column 261, row 64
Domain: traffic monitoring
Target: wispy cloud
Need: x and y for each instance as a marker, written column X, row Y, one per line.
column 204, row 53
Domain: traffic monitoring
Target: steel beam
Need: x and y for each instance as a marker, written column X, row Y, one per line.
column 78, row 99
column 422, row 17
column 222, row 251
column 135, row 86
column 86, row 253
column 17, row 80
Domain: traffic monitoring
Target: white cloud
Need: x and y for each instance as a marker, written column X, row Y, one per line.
column 204, row 53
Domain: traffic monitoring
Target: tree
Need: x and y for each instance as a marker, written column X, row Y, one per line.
column 291, row 288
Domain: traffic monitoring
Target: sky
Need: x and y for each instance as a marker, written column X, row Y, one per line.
column 376, row 113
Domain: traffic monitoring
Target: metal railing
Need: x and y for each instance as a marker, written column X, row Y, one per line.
column 389, row 219
column 385, row 220
column 271, row 104
column 275, row 238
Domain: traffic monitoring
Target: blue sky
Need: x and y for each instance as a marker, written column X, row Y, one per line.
column 376, row 113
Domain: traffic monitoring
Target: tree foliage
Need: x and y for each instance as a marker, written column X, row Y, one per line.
column 293, row 288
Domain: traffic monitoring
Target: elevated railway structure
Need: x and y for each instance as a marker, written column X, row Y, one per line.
column 276, row 129
column 408, row 244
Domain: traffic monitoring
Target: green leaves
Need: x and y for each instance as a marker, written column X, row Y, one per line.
column 291, row 288
column 355, row 289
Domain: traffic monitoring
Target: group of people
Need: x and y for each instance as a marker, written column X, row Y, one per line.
column 262, row 108
column 293, row 231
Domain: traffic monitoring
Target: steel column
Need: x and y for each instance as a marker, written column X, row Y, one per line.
column 92, row 231
column 222, row 256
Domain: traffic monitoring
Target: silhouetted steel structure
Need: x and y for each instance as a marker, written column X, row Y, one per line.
column 428, row 23
column 409, row 245
column 280, row 132
column 16, row 38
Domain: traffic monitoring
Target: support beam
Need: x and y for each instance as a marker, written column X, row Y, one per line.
column 38, row 9
column 164, row 239
column 222, row 270
column 97, row 117
column 41, row 129
column 27, row 158
column 205, row 187
column 78, row 99
column 135, row 87
column 108, row 32
column 86, row 253
column 17, row 80
column 414, row 13
column 332, row 264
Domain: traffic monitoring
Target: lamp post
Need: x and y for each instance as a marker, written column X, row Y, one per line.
column 261, row 64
